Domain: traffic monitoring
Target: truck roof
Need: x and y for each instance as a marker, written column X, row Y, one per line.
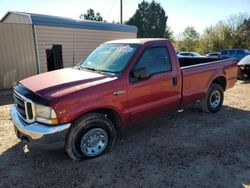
column 136, row 40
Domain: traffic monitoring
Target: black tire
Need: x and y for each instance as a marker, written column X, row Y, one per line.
column 206, row 104
column 82, row 127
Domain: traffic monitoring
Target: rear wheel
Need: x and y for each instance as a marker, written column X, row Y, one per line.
column 213, row 100
column 91, row 136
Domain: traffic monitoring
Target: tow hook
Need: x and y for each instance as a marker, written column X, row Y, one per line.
column 25, row 140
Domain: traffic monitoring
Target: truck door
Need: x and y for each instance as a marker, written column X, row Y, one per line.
column 157, row 90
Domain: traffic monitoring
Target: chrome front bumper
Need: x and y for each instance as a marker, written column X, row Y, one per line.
column 38, row 133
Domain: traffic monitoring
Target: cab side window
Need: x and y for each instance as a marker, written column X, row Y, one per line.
column 155, row 60
column 241, row 52
column 224, row 52
column 232, row 52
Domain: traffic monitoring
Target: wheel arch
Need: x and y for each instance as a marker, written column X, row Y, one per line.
column 109, row 113
column 221, row 80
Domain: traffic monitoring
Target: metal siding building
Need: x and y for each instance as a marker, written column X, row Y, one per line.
column 17, row 53
column 76, row 38
column 76, row 43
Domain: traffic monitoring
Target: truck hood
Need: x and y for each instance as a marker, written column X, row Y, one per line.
column 64, row 81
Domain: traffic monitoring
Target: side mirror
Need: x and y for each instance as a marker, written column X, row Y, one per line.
column 140, row 74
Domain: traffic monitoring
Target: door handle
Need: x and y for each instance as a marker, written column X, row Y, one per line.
column 174, row 80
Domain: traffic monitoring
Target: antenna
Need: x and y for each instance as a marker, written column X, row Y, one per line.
column 121, row 10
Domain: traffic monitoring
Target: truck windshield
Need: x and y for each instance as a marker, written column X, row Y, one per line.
column 109, row 57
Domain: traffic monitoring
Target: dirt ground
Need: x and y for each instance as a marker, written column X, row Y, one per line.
column 181, row 149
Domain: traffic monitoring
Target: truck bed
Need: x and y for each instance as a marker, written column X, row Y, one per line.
column 198, row 73
column 188, row 61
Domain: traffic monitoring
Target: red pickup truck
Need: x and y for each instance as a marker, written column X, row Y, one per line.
column 120, row 83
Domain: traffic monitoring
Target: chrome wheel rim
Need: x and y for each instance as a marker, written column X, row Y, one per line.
column 94, row 142
column 215, row 99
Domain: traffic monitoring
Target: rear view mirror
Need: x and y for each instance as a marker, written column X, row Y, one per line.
column 140, row 74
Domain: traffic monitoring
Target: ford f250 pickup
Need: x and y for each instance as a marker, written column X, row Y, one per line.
column 120, row 83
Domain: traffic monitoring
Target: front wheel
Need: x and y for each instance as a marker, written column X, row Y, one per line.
column 213, row 100
column 90, row 136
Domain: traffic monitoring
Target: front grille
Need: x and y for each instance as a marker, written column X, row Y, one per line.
column 24, row 107
column 20, row 106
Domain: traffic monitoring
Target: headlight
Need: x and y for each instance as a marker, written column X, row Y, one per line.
column 45, row 114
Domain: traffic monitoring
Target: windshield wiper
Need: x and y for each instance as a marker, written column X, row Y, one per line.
column 92, row 69
column 97, row 70
column 88, row 68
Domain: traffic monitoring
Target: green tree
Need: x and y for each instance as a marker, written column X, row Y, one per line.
column 91, row 15
column 169, row 34
column 215, row 38
column 242, row 39
column 150, row 19
column 233, row 21
column 190, row 39
column 234, row 32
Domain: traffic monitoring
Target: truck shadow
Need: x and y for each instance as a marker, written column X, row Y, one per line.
column 244, row 81
column 185, row 148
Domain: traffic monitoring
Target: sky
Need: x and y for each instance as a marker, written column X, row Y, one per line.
column 181, row 13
